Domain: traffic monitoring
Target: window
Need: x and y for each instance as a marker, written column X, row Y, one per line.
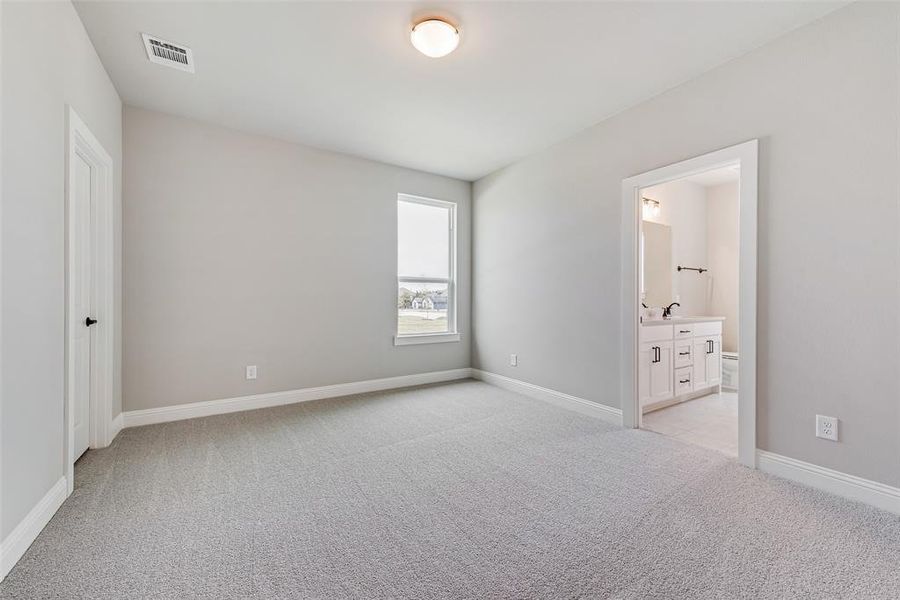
column 426, row 271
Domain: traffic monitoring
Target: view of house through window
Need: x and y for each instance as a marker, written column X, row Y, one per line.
column 425, row 261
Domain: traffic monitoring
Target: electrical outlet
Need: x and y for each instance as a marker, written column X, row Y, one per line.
column 251, row 371
column 513, row 360
column 827, row 428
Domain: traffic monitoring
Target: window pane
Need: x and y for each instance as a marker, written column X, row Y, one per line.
column 422, row 308
column 423, row 240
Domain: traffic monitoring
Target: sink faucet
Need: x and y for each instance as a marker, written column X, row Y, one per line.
column 667, row 311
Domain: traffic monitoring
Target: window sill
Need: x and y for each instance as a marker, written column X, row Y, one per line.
column 426, row 338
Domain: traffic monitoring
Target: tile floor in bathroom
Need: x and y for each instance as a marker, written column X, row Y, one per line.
column 710, row 421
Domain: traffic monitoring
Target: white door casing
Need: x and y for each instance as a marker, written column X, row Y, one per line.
column 90, row 253
column 746, row 155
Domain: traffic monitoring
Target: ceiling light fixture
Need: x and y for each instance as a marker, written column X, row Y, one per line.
column 434, row 37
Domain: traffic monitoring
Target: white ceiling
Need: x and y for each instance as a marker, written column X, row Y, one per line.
column 343, row 75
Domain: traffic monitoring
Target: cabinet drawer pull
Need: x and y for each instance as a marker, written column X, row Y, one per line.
column 684, row 353
column 684, row 331
column 684, row 381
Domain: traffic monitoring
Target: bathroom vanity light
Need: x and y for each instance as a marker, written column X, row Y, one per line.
column 434, row 37
column 651, row 208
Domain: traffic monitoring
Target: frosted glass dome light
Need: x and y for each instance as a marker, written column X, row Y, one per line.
column 434, row 37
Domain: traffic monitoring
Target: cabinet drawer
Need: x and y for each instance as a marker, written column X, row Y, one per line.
column 655, row 333
column 684, row 330
column 708, row 328
column 684, row 353
column 684, row 380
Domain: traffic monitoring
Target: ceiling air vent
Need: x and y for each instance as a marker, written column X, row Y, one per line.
column 166, row 53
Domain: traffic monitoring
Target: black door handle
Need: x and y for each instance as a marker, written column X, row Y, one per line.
column 89, row 321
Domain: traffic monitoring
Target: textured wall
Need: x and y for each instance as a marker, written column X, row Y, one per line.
column 54, row 65
column 241, row 249
column 823, row 102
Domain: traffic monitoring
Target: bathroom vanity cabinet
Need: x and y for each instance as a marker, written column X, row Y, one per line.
column 678, row 359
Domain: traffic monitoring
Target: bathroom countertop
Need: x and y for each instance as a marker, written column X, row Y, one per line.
column 674, row 320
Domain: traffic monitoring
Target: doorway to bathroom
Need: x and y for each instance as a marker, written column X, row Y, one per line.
column 689, row 298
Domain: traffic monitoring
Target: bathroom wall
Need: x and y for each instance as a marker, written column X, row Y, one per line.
column 723, row 229
column 683, row 207
column 705, row 233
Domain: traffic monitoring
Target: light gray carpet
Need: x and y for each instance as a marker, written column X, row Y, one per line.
column 453, row 491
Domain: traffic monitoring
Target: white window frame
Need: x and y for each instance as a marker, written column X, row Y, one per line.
column 451, row 335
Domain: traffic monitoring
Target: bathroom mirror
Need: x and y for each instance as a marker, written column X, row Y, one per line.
column 656, row 264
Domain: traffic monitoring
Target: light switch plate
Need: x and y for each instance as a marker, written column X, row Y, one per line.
column 251, row 371
column 513, row 360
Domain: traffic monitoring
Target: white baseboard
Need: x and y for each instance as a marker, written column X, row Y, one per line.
column 586, row 407
column 18, row 541
column 136, row 418
column 870, row 492
column 117, row 425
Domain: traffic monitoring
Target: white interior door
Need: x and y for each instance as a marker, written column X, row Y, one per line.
column 80, row 282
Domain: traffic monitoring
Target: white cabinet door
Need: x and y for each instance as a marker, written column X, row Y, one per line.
column 662, row 374
column 701, row 374
column 714, row 360
column 656, row 372
column 707, row 361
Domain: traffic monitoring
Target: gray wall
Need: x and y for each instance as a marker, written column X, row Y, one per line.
column 48, row 62
column 240, row 250
column 824, row 103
